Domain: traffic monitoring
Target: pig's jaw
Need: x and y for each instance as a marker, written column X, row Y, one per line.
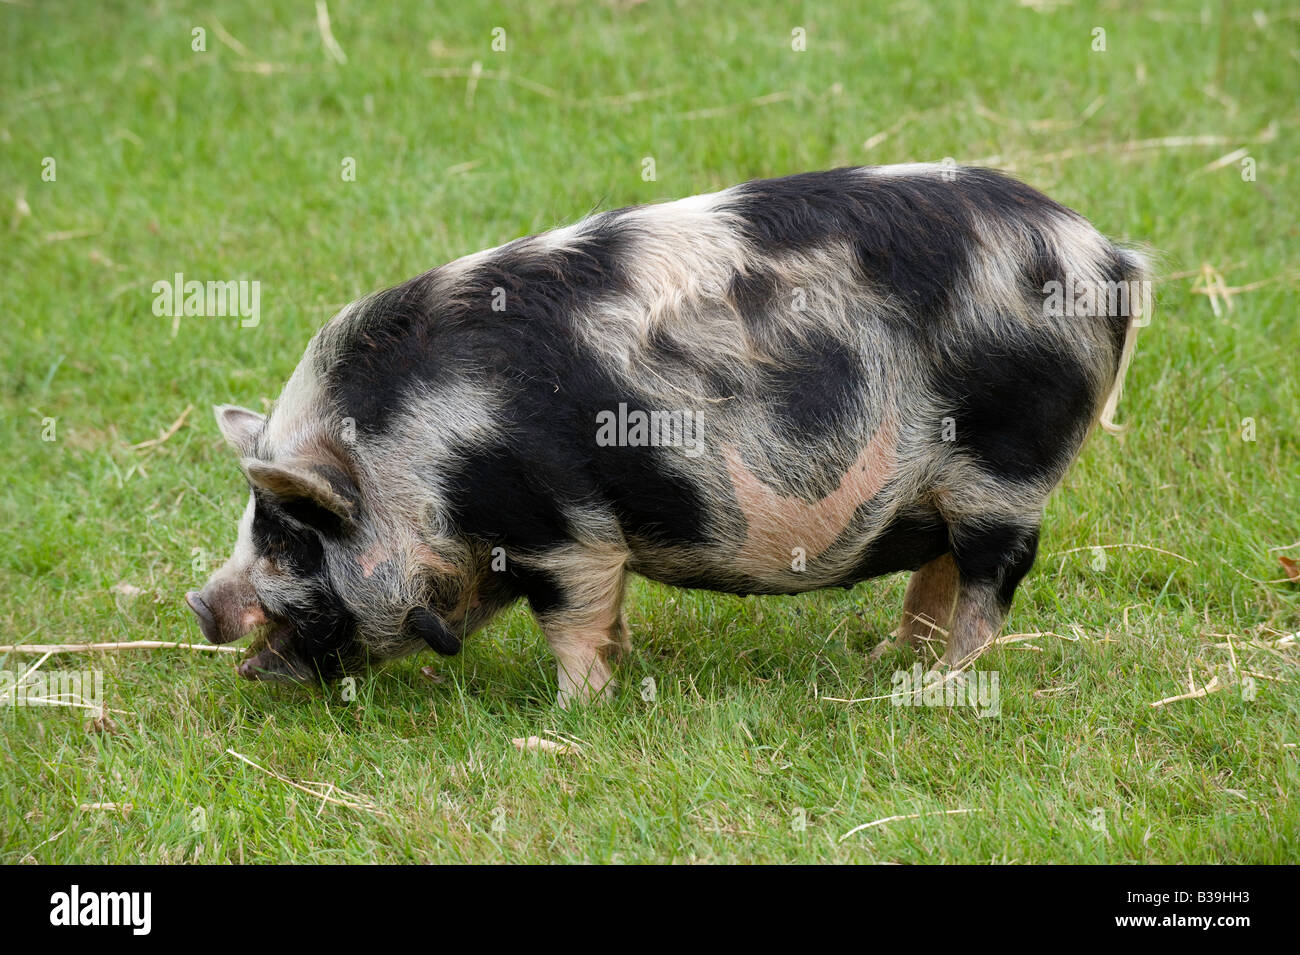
column 271, row 657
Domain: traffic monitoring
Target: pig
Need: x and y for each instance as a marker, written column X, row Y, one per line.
column 788, row 385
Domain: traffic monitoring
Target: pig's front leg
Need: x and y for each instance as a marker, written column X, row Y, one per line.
column 585, row 629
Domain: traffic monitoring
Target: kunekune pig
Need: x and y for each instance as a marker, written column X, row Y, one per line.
column 788, row 385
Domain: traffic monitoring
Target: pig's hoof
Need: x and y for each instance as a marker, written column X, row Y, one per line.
column 953, row 661
column 887, row 645
column 948, row 675
column 569, row 697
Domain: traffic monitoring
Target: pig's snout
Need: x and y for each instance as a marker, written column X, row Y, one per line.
column 223, row 616
column 207, row 622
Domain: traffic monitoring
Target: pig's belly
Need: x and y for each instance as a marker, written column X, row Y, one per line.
column 909, row 541
column 772, row 542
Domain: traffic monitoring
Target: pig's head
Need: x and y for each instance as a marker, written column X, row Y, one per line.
column 310, row 575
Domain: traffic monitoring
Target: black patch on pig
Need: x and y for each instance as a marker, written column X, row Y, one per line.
column 516, row 491
column 653, row 503
column 540, row 280
column 909, row 541
column 911, row 234
column 813, row 389
column 324, row 629
column 997, row 553
column 306, row 511
column 1040, row 268
column 1021, row 408
column 278, row 532
column 758, row 297
column 405, row 338
column 389, row 348
column 542, row 591
column 492, row 494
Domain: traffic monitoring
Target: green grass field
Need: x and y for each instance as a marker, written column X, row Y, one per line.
column 228, row 164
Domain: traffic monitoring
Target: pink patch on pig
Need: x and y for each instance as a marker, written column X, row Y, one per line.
column 372, row 558
column 253, row 617
column 778, row 526
column 379, row 554
column 433, row 561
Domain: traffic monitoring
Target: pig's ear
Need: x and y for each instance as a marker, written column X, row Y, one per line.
column 319, row 496
column 239, row 426
column 429, row 628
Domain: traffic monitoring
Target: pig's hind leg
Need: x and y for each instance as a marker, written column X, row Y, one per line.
column 991, row 559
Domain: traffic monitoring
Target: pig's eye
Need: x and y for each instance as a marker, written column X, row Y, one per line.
column 281, row 539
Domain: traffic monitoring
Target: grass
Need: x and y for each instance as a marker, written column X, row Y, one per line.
column 226, row 164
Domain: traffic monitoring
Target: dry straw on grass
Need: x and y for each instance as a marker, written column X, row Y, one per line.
column 911, row 815
column 330, row 794
column 31, row 648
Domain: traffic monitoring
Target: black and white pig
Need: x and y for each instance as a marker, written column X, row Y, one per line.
column 788, row 385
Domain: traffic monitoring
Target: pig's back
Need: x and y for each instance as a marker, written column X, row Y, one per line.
column 831, row 356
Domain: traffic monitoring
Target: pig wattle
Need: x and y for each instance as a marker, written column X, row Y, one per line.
column 425, row 625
